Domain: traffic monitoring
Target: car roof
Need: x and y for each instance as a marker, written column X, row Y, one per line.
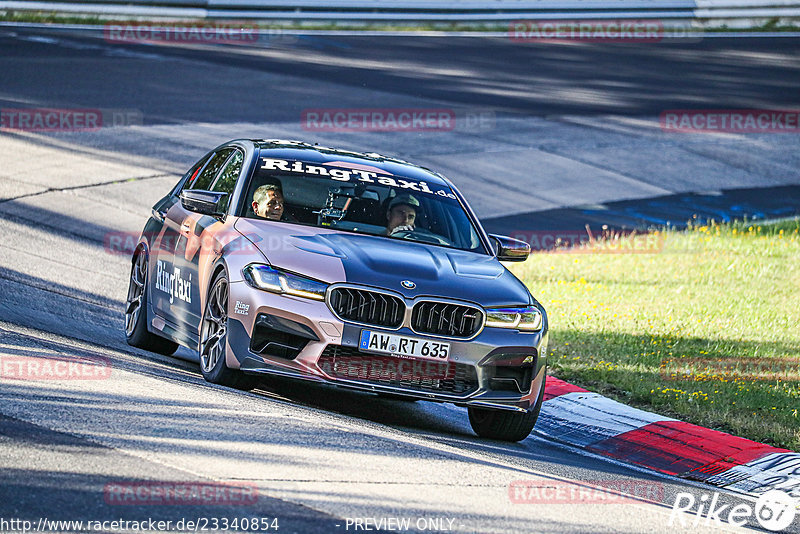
column 301, row 151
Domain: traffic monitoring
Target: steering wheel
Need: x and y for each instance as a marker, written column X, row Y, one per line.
column 423, row 236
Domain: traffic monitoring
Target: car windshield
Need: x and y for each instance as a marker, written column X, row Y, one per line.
column 359, row 198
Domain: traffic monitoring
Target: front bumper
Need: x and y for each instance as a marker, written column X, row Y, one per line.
column 301, row 339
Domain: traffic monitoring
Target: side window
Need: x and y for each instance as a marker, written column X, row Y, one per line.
column 187, row 179
column 203, row 181
column 226, row 181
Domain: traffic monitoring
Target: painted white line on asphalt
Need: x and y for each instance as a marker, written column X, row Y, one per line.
column 107, row 50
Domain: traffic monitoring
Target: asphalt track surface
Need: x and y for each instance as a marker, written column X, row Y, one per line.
column 573, row 127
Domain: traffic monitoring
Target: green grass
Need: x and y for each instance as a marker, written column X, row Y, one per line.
column 706, row 330
column 47, row 17
column 53, row 17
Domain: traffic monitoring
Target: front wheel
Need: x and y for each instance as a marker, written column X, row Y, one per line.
column 504, row 426
column 213, row 340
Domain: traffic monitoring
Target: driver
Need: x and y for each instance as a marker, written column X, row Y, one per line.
column 402, row 214
column 268, row 202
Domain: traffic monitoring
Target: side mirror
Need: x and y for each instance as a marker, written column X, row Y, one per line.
column 205, row 202
column 508, row 249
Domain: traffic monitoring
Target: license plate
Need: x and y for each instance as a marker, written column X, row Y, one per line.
column 413, row 347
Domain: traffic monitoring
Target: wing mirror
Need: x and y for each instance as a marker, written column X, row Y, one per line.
column 205, row 202
column 508, row 249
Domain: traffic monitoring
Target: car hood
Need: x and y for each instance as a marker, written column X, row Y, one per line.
column 335, row 256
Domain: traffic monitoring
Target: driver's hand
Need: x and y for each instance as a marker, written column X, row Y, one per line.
column 403, row 228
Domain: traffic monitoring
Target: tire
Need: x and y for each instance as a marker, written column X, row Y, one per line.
column 504, row 426
column 136, row 332
column 214, row 340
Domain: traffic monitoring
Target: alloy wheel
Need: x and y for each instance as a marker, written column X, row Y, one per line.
column 215, row 326
column 136, row 290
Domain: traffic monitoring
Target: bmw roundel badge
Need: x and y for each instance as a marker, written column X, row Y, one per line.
column 408, row 284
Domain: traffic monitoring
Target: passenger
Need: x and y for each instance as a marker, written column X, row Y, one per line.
column 402, row 214
column 268, row 202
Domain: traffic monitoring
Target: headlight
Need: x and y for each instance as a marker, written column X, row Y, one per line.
column 277, row 281
column 528, row 318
